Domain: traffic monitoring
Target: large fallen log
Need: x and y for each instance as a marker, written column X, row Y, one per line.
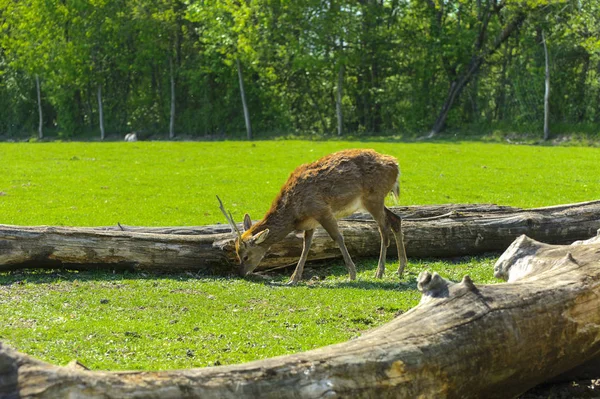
column 429, row 231
column 461, row 341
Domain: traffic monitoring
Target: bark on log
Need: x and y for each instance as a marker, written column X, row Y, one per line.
column 462, row 340
column 429, row 231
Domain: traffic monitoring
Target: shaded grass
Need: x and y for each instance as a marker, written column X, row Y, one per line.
column 139, row 321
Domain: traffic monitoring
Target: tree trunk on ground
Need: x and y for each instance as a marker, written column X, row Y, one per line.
column 39, row 101
column 429, row 231
column 100, row 112
column 244, row 104
column 547, row 90
column 338, row 100
column 172, row 115
column 462, row 341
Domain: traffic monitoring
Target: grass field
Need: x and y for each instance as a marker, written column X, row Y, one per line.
column 145, row 321
column 162, row 183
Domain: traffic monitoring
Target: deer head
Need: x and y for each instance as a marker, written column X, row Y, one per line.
column 250, row 248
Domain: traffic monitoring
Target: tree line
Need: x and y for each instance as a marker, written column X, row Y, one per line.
column 73, row 68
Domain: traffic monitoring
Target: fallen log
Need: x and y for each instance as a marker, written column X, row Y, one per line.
column 462, row 341
column 429, row 231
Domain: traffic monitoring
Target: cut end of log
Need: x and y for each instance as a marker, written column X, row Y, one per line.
column 226, row 244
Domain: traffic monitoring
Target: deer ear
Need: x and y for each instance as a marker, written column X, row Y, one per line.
column 260, row 237
column 247, row 222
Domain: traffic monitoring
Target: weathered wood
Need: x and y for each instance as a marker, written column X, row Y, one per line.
column 429, row 231
column 461, row 341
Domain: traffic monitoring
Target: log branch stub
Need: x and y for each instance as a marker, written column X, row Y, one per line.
column 432, row 285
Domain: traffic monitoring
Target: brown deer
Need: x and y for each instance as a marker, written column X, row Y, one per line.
column 315, row 194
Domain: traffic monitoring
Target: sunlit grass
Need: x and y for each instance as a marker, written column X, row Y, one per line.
column 164, row 183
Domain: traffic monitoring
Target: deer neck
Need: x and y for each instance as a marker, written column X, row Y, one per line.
column 279, row 224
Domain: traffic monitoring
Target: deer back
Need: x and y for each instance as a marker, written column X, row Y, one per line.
column 338, row 183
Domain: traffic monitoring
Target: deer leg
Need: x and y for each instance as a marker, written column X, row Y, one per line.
column 376, row 209
column 330, row 225
column 297, row 275
column 385, row 242
column 396, row 224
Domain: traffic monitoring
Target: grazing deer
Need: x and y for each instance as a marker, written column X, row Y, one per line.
column 315, row 194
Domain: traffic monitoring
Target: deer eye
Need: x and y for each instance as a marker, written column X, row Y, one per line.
column 245, row 258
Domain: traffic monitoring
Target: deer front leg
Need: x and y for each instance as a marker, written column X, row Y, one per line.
column 297, row 275
column 330, row 225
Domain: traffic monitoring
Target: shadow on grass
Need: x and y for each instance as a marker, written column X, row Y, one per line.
column 404, row 285
column 330, row 276
column 333, row 275
column 47, row 276
column 325, row 274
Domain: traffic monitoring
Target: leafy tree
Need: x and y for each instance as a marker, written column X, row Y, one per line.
column 305, row 66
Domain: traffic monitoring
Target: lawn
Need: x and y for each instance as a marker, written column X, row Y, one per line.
column 130, row 320
column 164, row 183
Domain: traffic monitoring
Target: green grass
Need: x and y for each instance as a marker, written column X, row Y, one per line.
column 158, row 183
column 150, row 321
column 139, row 321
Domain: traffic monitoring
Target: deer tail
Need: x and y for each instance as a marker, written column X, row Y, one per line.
column 396, row 190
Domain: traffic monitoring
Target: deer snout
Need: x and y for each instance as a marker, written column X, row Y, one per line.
column 245, row 268
column 243, row 271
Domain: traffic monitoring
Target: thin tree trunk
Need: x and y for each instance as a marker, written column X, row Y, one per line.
column 100, row 112
column 89, row 108
column 244, row 104
column 582, row 88
column 501, row 99
column 338, row 100
column 471, row 106
column 315, row 106
column 597, row 113
column 172, row 119
column 39, row 100
column 547, row 92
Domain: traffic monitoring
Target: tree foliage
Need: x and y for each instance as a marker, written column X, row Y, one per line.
column 409, row 66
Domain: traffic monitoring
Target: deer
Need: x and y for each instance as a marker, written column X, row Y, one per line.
column 319, row 193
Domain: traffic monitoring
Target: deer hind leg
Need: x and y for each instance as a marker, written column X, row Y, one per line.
column 395, row 222
column 297, row 275
column 330, row 225
column 377, row 210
